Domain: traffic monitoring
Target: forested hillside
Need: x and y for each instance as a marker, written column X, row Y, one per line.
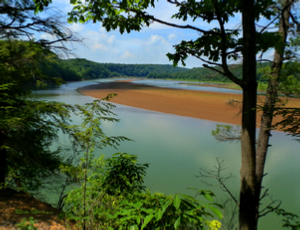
column 79, row 69
column 205, row 74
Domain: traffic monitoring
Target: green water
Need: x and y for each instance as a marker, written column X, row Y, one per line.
column 177, row 147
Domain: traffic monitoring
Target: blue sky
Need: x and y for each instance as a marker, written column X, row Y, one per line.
column 149, row 46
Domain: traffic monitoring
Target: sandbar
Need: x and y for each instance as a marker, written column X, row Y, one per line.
column 204, row 105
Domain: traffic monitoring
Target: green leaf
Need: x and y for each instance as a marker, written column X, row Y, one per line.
column 138, row 205
column 177, row 202
column 166, row 205
column 208, row 196
column 147, row 220
column 133, row 227
column 158, row 214
column 216, row 211
column 177, row 222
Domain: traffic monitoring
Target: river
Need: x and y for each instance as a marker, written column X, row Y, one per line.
column 177, row 147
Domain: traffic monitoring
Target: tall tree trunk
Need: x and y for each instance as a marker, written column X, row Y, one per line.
column 270, row 101
column 247, row 216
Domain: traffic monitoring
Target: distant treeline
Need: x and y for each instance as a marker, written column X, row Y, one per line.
column 78, row 69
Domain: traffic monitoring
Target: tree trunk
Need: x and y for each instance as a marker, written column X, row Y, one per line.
column 270, row 101
column 247, row 216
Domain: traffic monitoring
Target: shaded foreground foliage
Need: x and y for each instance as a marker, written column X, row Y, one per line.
column 28, row 127
column 116, row 200
column 110, row 193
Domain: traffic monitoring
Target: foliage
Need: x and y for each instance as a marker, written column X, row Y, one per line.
column 227, row 133
column 159, row 211
column 111, row 194
column 20, row 64
column 108, row 208
column 289, row 78
column 27, row 224
column 78, row 68
column 124, row 175
column 290, row 121
column 28, row 127
column 19, row 21
column 289, row 219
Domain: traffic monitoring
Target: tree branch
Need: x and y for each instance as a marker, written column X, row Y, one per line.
column 181, row 26
column 214, row 69
column 216, row 174
column 271, row 209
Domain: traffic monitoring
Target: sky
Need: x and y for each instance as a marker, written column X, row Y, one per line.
column 149, row 46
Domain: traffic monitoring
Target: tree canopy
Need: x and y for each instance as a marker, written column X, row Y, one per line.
column 28, row 127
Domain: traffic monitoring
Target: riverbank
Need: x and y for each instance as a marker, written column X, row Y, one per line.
column 190, row 103
column 15, row 206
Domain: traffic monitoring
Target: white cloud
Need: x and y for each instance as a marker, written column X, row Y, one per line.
column 99, row 46
column 127, row 54
column 172, row 37
column 111, row 39
column 61, row 2
column 100, row 41
column 157, row 40
column 76, row 27
column 46, row 37
column 102, row 29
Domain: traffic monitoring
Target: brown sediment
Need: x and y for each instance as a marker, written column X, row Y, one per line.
column 16, row 206
column 211, row 106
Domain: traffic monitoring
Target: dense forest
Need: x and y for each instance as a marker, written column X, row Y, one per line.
column 80, row 69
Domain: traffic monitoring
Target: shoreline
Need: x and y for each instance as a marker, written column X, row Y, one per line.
column 204, row 105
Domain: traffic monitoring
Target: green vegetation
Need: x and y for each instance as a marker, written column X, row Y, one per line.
column 105, row 196
column 27, row 224
column 109, row 193
column 79, row 69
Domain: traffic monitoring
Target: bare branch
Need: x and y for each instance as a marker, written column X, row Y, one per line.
column 212, row 68
column 234, row 103
column 217, row 174
column 181, row 26
column 230, row 219
column 271, row 209
column 145, row 15
column 265, row 27
column 265, row 194
column 25, row 23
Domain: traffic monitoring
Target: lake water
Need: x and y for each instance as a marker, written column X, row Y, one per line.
column 177, row 147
